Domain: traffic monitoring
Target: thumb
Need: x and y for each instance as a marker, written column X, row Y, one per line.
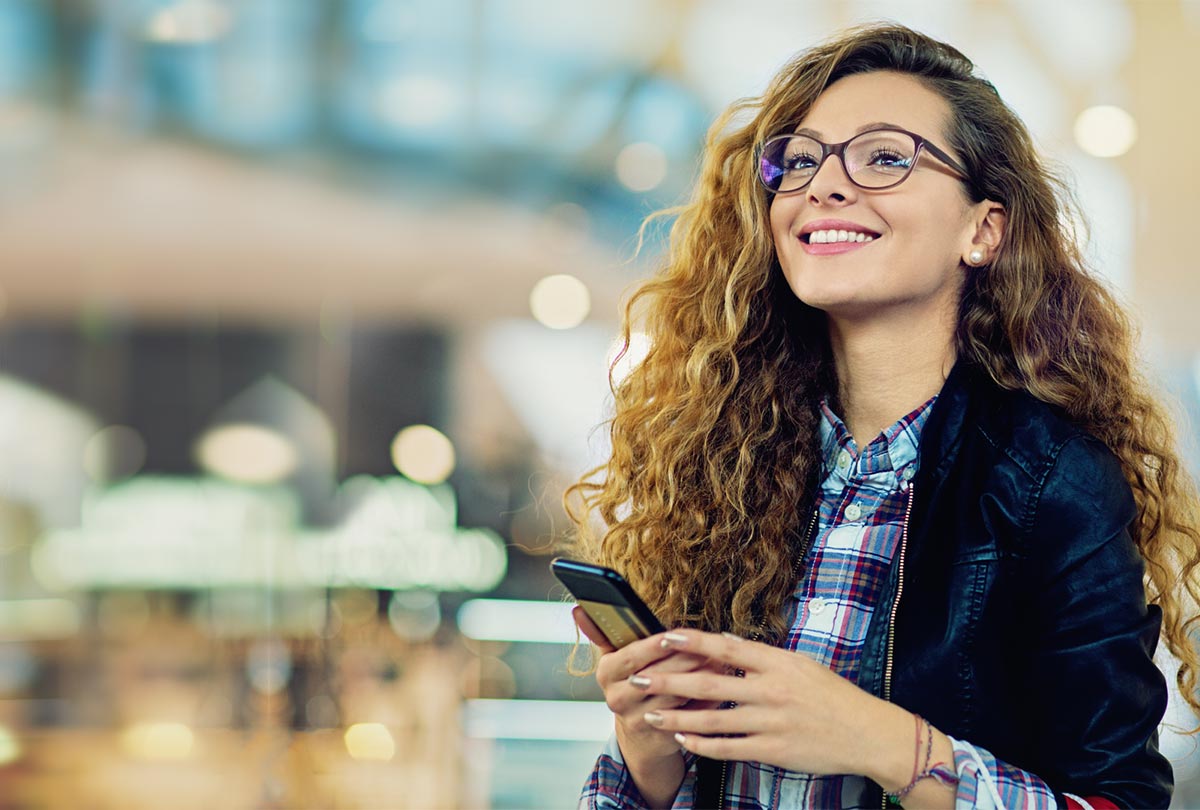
column 589, row 629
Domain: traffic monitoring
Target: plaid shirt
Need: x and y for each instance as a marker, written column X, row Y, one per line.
column 860, row 523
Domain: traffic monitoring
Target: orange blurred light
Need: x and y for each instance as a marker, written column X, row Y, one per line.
column 370, row 741
column 161, row 741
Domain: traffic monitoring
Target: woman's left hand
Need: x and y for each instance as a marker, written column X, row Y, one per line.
column 791, row 712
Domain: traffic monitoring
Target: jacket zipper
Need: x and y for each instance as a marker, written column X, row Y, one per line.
column 796, row 566
column 889, row 661
column 891, row 638
column 724, row 773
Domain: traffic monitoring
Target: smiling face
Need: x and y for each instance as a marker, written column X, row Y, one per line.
column 903, row 248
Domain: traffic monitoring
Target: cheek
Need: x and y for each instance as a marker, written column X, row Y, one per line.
column 781, row 223
column 925, row 233
column 940, row 229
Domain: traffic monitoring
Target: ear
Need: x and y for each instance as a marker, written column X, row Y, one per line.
column 988, row 220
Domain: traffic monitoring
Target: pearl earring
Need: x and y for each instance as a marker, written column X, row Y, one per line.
column 975, row 257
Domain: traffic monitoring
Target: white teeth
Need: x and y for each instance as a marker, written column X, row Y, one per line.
column 830, row 236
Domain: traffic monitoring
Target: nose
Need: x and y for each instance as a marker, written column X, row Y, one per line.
column 831, row 184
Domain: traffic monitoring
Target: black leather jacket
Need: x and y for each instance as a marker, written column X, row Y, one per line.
column 1021, row 624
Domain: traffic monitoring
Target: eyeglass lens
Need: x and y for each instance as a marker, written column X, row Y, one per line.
column 873, row 160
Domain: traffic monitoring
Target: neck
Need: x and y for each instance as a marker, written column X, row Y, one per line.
column 887, row 369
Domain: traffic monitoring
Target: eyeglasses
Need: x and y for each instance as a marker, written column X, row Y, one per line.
column 875, row 159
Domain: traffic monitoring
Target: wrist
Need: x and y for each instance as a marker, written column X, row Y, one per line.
column 648, row 747
column 656, row 770
column 913, row 761
column 889, row 763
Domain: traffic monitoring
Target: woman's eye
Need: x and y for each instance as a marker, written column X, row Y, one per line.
column 799, row 162
column 886, row 157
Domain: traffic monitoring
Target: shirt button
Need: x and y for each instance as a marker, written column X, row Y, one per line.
column 853, row 512
column 817, row 605
column 907, row 475
column 843, row 460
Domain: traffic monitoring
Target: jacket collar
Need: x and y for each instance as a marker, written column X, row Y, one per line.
column 943, row 433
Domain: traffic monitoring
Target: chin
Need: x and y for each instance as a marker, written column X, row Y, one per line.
column 824, row 298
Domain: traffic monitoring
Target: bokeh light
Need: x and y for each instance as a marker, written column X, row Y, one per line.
column 641, row 166
column 247, row 453
column 1105, row 131
column 424, row 454
column 560, row 301
column 370, row 741
column 158, row 741
column 10, row 746
column 189, row 22
column 414, row 615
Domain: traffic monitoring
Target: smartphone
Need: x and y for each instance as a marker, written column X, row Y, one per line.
column 608, row 600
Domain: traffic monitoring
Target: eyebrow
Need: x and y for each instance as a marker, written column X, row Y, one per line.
column 812, row 133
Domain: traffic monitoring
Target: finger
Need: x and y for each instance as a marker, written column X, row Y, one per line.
column 623, row 698
column 589, row 629
column 750, row 656
column 658, row 703
column 737, row 748
column 620, row 665
column 630, row 702
column 677, row 662
column 708, row 723
column 698, row 685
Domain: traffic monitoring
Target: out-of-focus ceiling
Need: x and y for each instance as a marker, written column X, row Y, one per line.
column 167, row 231
column 411, row 159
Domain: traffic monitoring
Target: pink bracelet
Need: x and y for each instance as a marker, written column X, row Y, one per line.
column 939, row 771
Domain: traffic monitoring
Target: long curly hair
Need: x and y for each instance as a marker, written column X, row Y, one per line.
column 714, row 438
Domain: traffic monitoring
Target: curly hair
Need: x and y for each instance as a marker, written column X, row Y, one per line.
column 714, row 437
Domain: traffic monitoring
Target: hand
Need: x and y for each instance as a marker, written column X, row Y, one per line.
column 645, row 657
column 791, row 712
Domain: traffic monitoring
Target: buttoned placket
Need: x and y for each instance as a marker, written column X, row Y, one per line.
column 848, row 470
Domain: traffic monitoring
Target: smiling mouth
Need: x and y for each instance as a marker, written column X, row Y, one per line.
column 829, row 237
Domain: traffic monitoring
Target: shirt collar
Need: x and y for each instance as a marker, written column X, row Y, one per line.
column 895, row 448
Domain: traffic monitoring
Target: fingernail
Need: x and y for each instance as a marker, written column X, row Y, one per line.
column 682, row 740
column 673, row 640
column 640, row 681
column 733, row 636
column 653, row 718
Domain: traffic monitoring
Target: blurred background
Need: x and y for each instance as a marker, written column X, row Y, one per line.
column 306, row 310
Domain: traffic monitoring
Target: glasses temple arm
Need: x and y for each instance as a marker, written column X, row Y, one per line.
column 944, row 158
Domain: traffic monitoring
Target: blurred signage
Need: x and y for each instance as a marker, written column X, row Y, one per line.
column 188, row 533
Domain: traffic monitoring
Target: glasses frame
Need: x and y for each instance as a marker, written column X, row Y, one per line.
column 839, row 149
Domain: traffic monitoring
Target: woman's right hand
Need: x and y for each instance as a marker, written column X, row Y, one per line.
column 639, row 741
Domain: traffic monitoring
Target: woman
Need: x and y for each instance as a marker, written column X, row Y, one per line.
column 890, row 466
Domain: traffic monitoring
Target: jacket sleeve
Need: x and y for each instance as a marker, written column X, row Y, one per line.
column 1097, row 686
